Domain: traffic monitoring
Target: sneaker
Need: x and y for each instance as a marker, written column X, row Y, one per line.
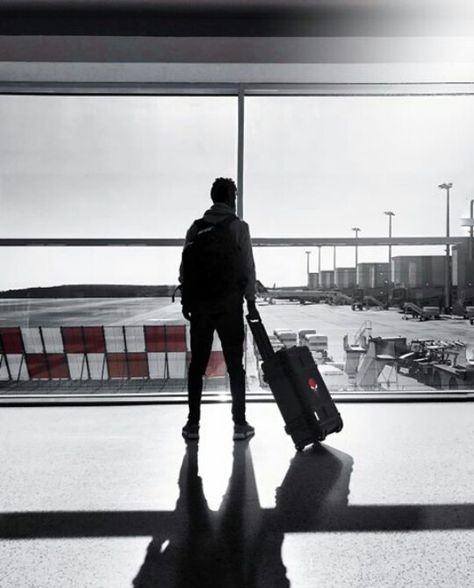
column 242, row 432
column 190, row 431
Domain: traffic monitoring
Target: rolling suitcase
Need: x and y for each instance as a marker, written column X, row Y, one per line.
column 299, row 390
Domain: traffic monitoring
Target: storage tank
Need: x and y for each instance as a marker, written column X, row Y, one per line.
column 363, row 275
column 345, row 277
column 463, row 265
column 327, row 279
column 379, row 275
column 313, row 281
column 416, row 271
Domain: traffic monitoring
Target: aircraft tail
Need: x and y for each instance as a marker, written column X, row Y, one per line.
column 261, row 288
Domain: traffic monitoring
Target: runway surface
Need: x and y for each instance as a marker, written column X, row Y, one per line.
column 333, row 321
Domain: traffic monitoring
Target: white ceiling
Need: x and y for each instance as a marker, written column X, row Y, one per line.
column 434, row 43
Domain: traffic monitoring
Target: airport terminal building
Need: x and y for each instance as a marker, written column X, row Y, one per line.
column 116, row 118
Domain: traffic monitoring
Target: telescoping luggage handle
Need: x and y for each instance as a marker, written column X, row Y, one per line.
column 261, row 337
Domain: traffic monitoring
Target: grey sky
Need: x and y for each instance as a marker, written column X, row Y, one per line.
column 142, row 166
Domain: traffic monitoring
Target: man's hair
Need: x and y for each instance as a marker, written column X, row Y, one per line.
column 223, row 190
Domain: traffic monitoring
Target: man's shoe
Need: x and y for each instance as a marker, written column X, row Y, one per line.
column 191, row 432
column 242, row 432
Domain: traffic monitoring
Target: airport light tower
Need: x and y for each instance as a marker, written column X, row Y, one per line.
column 389, row 213
column 469, row 222
column 447, row 281
column 308, row 253
column 356, row 230
column 471, row 231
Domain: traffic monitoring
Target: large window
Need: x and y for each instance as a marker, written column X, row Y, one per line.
column 322, row 166
column 138, row 167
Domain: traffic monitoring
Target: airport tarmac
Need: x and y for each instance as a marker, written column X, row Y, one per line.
column 333, row 321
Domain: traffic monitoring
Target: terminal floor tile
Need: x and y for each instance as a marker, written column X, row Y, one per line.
column 112, row 496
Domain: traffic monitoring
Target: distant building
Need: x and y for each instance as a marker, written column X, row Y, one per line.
column 345, row 277
column 313, row 281
column 372, row 275
column 327, row 279
column 463, row 265
column 417, row 271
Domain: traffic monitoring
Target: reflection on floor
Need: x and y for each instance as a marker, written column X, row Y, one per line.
column 112, row 496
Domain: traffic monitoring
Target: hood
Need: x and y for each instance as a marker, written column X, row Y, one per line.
column 218, row 212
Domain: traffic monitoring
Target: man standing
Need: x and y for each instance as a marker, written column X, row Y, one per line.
column 217, row 272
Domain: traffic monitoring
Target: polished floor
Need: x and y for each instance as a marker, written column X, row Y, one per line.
column 111, row 496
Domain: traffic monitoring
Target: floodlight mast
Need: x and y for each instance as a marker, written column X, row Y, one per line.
column 356, row 231
column 390, row 214
column 447, row 275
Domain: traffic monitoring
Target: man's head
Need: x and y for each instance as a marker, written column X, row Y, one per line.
column 224, row 190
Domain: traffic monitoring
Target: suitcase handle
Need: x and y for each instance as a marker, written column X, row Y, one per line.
column 261, row 337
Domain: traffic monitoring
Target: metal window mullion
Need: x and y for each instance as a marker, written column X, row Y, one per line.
column 240, row 151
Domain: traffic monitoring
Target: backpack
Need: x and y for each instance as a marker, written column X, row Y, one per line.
column 211, row 263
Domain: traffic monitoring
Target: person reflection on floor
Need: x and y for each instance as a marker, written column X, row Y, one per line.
column 240, row 545
column 186, row 556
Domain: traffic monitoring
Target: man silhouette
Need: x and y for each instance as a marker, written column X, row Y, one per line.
column 240, row 544
column 217, row 272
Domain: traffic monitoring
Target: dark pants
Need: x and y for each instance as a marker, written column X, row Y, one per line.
column 229, row 324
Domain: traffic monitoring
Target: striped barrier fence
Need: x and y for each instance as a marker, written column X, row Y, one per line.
column 12, row 358
column 99, row 353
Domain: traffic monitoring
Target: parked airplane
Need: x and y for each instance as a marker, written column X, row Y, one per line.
column 302, row 295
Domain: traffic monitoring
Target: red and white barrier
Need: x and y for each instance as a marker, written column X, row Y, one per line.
column 12, row 359
column 75, row 349
column 100, row 353
column 176, row 351
column 155, row 347
column 95, row 350
column 216, row 367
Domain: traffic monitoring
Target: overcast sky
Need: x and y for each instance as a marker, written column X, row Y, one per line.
column 143, row 166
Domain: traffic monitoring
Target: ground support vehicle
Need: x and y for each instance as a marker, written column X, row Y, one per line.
column 422, row 313
column 439, row 364
column 470, row 314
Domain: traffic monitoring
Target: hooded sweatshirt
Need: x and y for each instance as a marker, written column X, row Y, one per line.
column 240, row 230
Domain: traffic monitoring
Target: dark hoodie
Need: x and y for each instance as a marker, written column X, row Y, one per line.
column 240, row 229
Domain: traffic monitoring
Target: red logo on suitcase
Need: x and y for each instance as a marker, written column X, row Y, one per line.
column 312, row 384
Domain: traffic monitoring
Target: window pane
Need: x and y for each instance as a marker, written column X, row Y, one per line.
column 90, row 166
column 103, row 166
column 319, row 166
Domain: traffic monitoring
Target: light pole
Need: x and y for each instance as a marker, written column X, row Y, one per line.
column 356, row 231
column 319, row 266
column 389, row 213
column 447, row 282
column 471, row 231
column 308, row 253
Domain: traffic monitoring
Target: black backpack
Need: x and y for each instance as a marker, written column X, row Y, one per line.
column 211, row 263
